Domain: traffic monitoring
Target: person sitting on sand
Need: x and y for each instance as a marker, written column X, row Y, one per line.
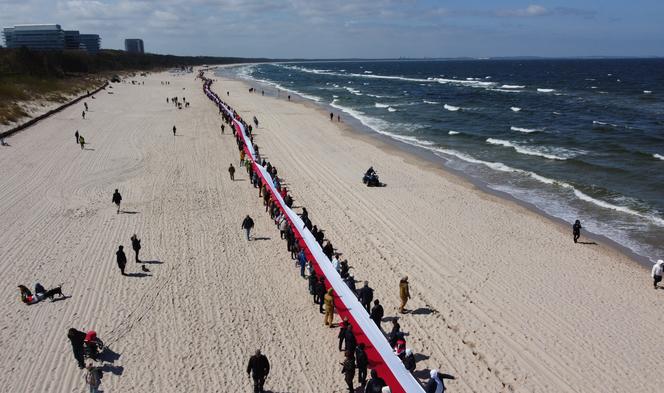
column 576, row 230
column 40, row 294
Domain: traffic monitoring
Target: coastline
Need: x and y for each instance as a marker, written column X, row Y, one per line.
column 414, row 154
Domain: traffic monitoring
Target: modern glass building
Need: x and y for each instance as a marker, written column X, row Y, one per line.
column 90, row 42
column 134, row 45
column 49, row 37
column 40, row 37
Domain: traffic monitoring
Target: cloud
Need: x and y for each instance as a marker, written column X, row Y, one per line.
column 536, row 10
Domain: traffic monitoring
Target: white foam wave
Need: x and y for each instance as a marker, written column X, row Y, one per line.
column 353, row 91
column 601, row 123
column 658, row 156
column 647, row 92
column 280, row 87
column 390, row 109
column 512, row 87
column 379, row 105
column 377, row 96
column 451, row 108
column 524, row 150
column 515, row 109
column 506, row 90
column 430, row 102
column 546, row 90
column 368, row 72
column 453, row 133
column 611, row 206
column 526, row 130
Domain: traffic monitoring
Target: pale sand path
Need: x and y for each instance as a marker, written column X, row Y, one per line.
column 192, row 325
column 520, row 306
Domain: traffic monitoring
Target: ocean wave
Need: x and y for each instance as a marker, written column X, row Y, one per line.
column 515, row 109
column 658, row 156
column 546, row 90
column 499, row 166
column 453, row 133
column 526, row 130
column 451, row 108
column 506, row 90
column 525, row 150
column 379, row 105
column 601, row 124
column 390, row 109
column 431, row 102
column 647, row 92
column 280, row 87
column 512, row 87
column 353, row 91
column 368, row 72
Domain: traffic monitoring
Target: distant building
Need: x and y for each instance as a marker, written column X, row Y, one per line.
column 72, row 39
column 91, row 43
column 49, row 37
column 40, row 37
column 134, row 45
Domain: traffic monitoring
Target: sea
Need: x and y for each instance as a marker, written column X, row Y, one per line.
column 574, row 138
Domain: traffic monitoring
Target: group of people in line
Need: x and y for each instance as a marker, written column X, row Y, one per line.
column 355, row 357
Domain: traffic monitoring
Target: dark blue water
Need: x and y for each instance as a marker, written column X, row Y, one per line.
column 576, row 138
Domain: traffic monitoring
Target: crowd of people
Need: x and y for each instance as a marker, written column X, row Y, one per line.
column 355, row 357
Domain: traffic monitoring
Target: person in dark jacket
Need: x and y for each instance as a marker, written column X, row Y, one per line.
column 136, row 245
column 231, row 171
column 121, row 258
column 76, row 135
column 247, row 224
column 342, row 333
column 365, row 296
column 435, row 384
column 392, row 337
column 117, row 198
column 351, row 342
column 350, row 283
column 76, row 337
column 362, row 362
column 320, row 292
column 576, row 230
column 313, row 280
column 409, row 360
column 258, row 368
column 328, row 249
column 348, row 370
column 377, row 313
column 375, row 384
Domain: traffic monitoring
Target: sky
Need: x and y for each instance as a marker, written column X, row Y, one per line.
column 360, row 28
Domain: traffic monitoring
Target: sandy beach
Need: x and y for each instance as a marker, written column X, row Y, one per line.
column 502, row 297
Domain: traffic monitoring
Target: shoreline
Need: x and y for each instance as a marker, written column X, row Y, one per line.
column 353, row 128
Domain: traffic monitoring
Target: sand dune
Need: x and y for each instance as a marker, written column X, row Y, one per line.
column 516, row 305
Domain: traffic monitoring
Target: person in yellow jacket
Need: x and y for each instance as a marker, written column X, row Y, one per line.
column 328, row 300
column 404, row 293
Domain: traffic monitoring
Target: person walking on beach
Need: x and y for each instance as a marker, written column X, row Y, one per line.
column 76, row 337
column 223, row 127
column 81, row 141
column 121, row 259
column 657, row 271
column 85, row 104
column 174, row 129
column 258, row 369
column 404, row 294
column 136, row 245
column 362, row 362
column 576, row 230
column 247, row 224
column 377, row 313
column 231, row 171
column 348, row 370
column 365, row 296
column 92, row 377
column 329, row 307
column 117, row 199
column 83, row 114
column 331, row 116
column 76, row 135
